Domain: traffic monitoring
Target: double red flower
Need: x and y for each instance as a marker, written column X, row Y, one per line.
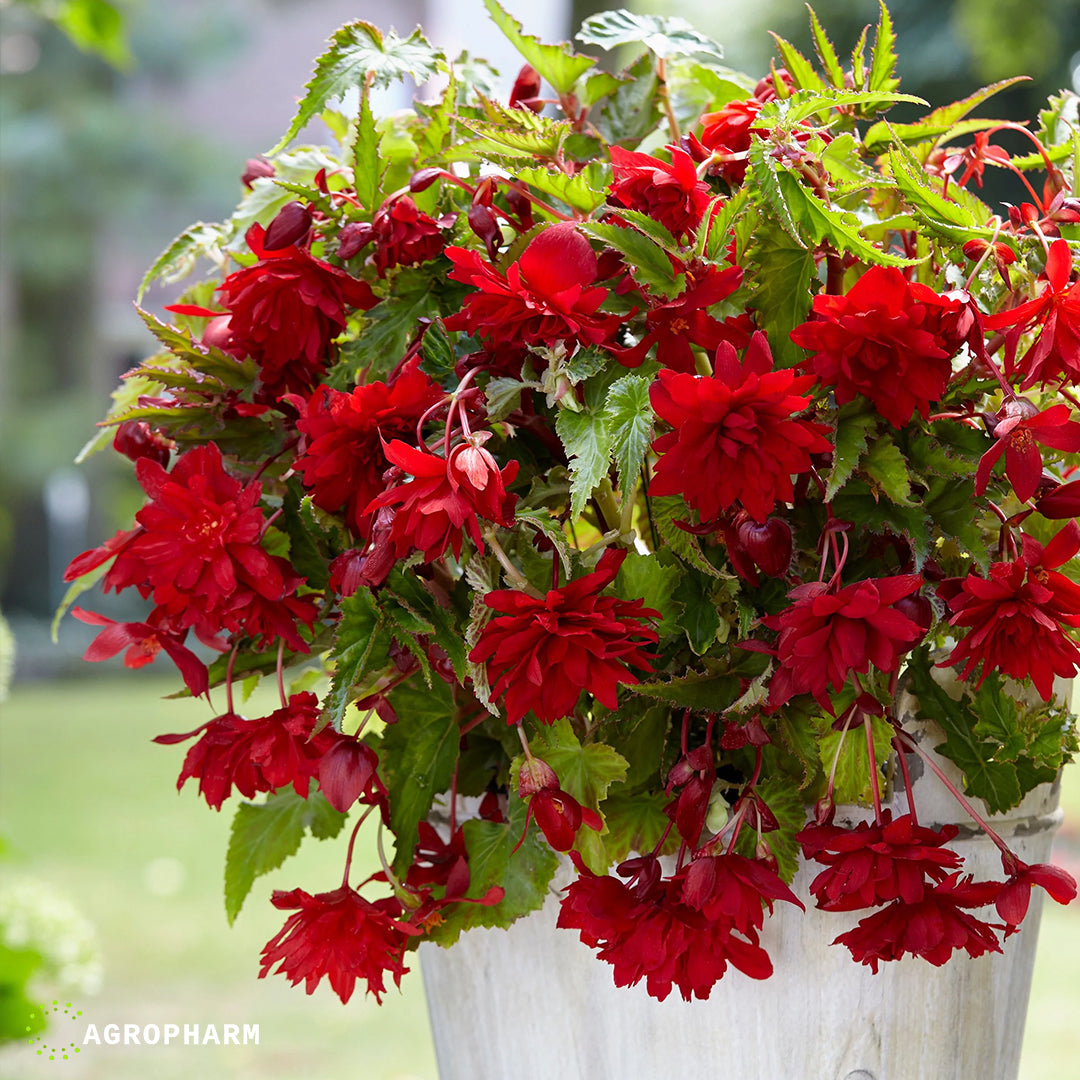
column 1016, row 617
column 829, row 632
column 541, row 652
column 671, row 194
column 735, row 437
column 545, row 297
column 888, row 339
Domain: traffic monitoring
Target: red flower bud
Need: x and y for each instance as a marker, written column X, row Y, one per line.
column 824, row 811
column 353, row 237
column 135, row 439
column 254, row 168
column 290, row 226
column 345, row 771
column 1062, row 503
column 768, row 544
column 526, row 89
column 483, row 222
column 918, row 609
column 218, row 334
column 422, row 179
column 536, row 775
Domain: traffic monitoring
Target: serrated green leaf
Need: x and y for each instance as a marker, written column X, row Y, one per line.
column 665, row 511
column 179, row 258
column 304, row 553
column 949, row 217
column 787, row 807
column 700, row 618
column 633, row 110
column 853, row 424
column 388, row 329
column 799, row 68
column 825, row 51
column 585, row 771
column 634, row 824
column 654, row 230
column 503, row 396
column 852, row 778
column 630, row 417
column 540, row 518
column 588, row 443
column 417, row 756
column 783, row 270
column 804, row 103
column 265, row 834
column 429, row 617
column 559, row 64
column 886, row 464
column 584, row 191
column 649, row 262
column 361, row 646
column 706, row 690
column 665, row 37
column 765, row 187
column 883, row 57
column 715, row 232
column 367, row 165
column 937, row 122
column 820, row 222
column 357, row 50
column 206, row 358
column 647, row 578
column 518, row 140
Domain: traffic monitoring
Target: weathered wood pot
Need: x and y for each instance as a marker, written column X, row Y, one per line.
column 533, row 1003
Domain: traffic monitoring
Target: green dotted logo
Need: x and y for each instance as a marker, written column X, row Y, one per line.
column 54, row 1017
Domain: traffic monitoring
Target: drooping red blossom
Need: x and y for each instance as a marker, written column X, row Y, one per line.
column 694, row 774
column 727, row 131
column 339, row 935
column 264, row 754
column 932, row 928
column 1015, row 895
column 1017, row 617
column 437, row 862
column 1055, row 353
column 541, row 652
column 676, row 325
column 871, row 864
column 734, row 889
column 1018, row 432
column 888, row 339
column 650, row 932
column 348, row 771
column 671, row 194
column 197, row 554
column 974, row 159
column 402, row 234
column 143, row 641
column 735, row 438
column 558, row 814
column 445, row 497
column 342, row 460
column 546, row 296
column 829, row 632
column 1061, row 503
column 526, row 90
column 285, row 310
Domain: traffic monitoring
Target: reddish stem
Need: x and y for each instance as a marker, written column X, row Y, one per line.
column 352, row 841
column 907, row 780
column 868, row 728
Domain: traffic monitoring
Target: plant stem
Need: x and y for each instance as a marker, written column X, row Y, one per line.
column 512, row 572
column 874, row 789
column 352, row 841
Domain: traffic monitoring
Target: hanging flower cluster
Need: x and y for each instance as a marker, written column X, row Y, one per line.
column 607, row 467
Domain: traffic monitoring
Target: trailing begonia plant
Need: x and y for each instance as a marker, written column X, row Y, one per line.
column 600, row 458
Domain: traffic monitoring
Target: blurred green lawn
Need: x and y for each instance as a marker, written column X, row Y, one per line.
column 89, row 803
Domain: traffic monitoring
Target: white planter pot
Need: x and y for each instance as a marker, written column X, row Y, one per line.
column 534, row 1003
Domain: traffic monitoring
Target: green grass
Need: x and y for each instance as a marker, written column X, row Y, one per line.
column 89, row 803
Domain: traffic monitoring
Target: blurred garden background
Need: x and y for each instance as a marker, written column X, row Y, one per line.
column 104, row 157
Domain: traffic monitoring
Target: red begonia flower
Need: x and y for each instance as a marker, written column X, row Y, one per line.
column 872, row 864
column 1015, row 896
column 402, row 234
column 1062, row 503
column 197, row 554
column 542, row 652
column 436, row 862
column 339, row 935
column 829, row 632
column 544, row 297
column 728, row 131
column 671, row 194
column 445, row 497
column 649, row 931
column 1017, row 616
column 143, row 641
column 734, row 888
column 285, row 310
column 735, row 438
column 558, row 814
column 1056, row 351
column 342, row 460
column 264, row 754
column 932, row 928
column 888, row 339
column 674, row 326
column 1016, row 437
